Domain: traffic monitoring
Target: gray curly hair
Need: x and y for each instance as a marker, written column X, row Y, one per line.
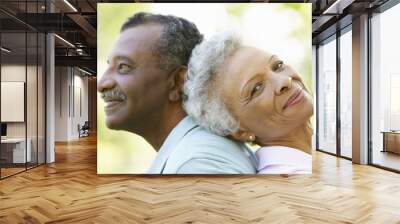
column 201, row 98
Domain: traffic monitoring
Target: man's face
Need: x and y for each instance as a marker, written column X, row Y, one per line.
column 134, row 87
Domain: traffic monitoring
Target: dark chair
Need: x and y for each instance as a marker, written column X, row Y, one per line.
column 84, row 130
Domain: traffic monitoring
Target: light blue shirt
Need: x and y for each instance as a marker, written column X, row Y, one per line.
column 190, row 149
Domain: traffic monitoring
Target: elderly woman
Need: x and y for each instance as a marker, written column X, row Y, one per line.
column 249, row 95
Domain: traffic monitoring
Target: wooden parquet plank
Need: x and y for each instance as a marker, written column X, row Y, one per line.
column 70, row 191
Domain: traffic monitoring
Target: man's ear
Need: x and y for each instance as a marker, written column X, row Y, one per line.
column 243, row 136
column 177, row 80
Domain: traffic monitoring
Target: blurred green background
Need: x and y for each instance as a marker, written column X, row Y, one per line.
column 280, row 28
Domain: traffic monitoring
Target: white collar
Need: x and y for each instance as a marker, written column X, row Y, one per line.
column 282, row 155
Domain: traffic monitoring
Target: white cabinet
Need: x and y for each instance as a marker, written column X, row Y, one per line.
column 18, row 146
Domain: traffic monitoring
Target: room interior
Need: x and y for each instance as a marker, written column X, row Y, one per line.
column 48, row 92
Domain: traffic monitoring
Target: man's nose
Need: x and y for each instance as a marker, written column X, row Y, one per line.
column 106, row 82
column 283, row 84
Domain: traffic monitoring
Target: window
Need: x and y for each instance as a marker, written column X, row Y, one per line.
column 346, row 93
column 22, row 75
column 385, row 89
column 327, row 96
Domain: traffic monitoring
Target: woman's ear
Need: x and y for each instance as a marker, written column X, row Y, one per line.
column 177, row 80
column 243, row 136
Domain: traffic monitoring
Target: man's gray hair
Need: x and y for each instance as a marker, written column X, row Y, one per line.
column 177, row 41
column 202, row 95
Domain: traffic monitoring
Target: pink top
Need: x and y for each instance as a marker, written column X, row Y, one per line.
column 283, row 160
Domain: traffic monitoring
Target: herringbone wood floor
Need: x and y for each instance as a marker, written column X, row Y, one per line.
column 69, row 191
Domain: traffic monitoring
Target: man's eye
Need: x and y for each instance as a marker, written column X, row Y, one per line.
column 257, row 88
column 124, row 68
column 278, row 65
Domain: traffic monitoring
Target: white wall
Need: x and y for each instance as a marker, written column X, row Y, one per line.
column 16, row 73
column 71, row 94
column 61, row 103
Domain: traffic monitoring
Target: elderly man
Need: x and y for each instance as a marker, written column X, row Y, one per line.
column 142, row 88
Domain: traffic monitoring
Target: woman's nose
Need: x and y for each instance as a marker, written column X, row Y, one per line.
column 283, row 84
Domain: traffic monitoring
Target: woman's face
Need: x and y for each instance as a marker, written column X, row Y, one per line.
column 267, row 96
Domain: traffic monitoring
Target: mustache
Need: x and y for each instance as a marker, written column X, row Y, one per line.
column 113, row 94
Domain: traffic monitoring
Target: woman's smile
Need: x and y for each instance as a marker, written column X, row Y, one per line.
column 296, row 98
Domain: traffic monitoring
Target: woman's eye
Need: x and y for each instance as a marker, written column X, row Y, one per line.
column 124, row 68
column 278, row 65
column 258, row 87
